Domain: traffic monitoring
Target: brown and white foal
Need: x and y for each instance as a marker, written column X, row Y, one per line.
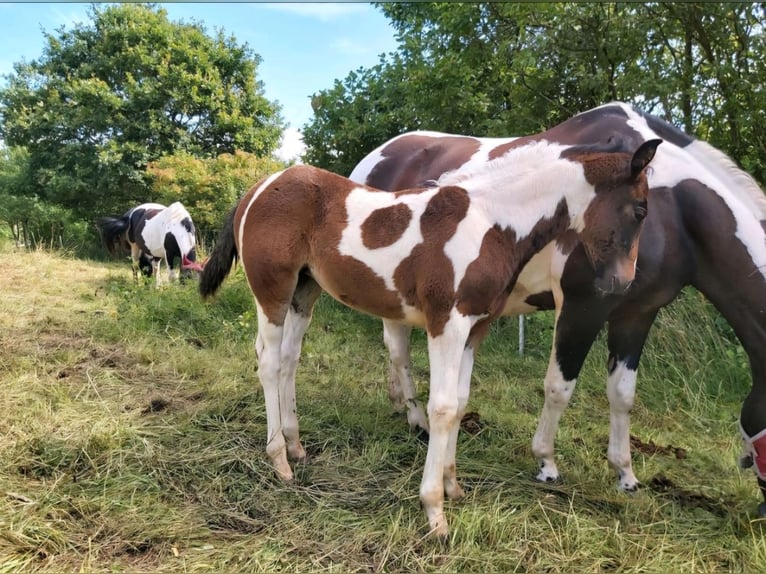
column 442, row 258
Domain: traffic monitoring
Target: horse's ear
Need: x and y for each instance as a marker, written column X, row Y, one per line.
column 642, row 156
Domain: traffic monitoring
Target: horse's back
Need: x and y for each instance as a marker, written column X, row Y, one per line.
column 418, row 159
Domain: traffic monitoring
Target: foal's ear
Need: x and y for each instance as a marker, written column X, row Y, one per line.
column 643, row 156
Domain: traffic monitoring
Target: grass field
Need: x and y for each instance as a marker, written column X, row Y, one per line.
column 132, row 440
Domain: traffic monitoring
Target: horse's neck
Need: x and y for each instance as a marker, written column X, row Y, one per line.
column 522, row 197
column 729, row 254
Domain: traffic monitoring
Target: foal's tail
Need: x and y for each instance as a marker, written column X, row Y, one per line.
column 111, row 229
column 221, row 259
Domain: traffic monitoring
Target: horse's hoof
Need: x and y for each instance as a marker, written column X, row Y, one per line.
column 762, row 510
column 629, row 488
column 547, row 476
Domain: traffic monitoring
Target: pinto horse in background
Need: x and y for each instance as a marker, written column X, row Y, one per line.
column 705, row 228
column 442, row 258
column 155, row 231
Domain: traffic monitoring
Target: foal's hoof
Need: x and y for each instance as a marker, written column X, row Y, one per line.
column 629, row 488
column 762, row 510
column 547, row 475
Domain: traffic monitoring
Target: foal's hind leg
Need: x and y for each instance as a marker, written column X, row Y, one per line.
column 401, row 387
column 297, row 321
column 627, row 335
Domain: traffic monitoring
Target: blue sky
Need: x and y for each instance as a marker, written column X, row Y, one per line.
column 304, row 46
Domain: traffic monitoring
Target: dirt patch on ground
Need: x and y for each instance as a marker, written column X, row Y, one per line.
column 650, row 448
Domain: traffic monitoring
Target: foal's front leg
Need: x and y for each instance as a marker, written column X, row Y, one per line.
column 576, row 328
column 268, row 344
column 401, row 387
column 445, row 352
column 626, row 337
column 451, row 485
column 296, row 323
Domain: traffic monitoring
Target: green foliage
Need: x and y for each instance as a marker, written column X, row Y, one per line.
column 208, row 187
column 109, row 96
column 500, row 69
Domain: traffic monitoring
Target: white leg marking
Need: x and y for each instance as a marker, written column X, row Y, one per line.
column 156, row 271
column 292, row 340
column 621, row 390
column 401, row 387
column 445, row 354
column 268, row 348
column 557, row 394
column 451, row 485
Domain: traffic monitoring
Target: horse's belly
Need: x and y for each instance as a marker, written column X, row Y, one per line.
column 535, row 279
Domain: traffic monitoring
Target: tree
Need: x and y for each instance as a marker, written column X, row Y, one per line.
column 108, row 97
column 500, row 69
column 208, row 187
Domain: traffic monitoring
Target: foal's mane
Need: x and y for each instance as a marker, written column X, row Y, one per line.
column 725, row 168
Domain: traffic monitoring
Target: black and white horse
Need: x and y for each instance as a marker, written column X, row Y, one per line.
column 156, row 231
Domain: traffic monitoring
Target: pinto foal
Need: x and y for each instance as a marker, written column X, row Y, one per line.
column 441, row 258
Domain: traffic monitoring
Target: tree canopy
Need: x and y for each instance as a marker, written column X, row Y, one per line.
column 502, row 69
column 128, row 87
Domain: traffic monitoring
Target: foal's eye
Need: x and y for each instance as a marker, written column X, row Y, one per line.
column 639, row 212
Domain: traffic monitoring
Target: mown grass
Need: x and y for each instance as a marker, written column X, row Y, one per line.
column 132, row 440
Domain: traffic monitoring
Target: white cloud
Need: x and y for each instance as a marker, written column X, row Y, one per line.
column 321, row 11
column 292, row 146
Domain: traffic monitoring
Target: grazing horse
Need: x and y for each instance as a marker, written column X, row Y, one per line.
column 443, row 258
column 154, row 231
column 705, row 228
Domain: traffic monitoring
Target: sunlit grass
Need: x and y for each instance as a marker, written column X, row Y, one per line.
column 133, row 441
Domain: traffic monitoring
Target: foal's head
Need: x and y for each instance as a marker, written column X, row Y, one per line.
column 613, row 220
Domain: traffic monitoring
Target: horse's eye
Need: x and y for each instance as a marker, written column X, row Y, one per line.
column 639, row 212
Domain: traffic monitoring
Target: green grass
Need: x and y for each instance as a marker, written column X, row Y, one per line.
column 133, row 441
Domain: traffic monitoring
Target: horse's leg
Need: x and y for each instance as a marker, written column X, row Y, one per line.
column 451, row 485
column 171, row 270
column 575, row 329
column 135, row 256
column 297, row 321
column 752, row 421
column 156, row 264
column 445, row 354
column 268, row 344
column 627, row 335
column 401, row 387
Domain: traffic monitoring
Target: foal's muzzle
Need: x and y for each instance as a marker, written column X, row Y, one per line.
column 611, row 284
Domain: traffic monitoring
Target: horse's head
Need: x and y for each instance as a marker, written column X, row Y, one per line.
column 611, row 223
column 180, row 238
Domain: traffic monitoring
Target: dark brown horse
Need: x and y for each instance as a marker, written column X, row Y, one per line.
column 705, row 228
column 442, row 258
